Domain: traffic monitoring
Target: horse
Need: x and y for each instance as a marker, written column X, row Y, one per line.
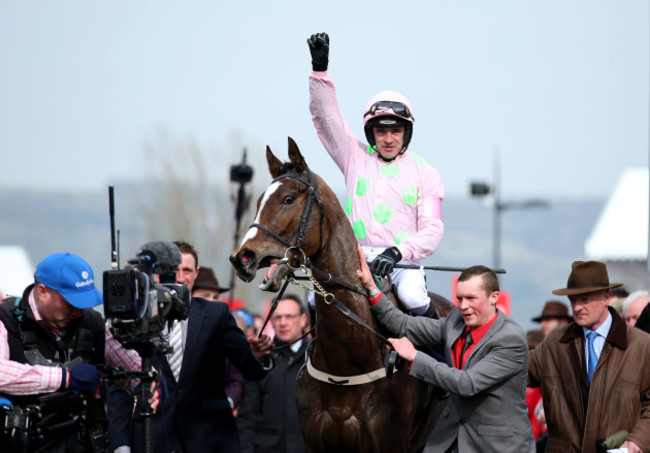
column 348, row 399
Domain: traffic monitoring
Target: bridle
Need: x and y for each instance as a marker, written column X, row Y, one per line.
column 306, row 214
column 300, row 234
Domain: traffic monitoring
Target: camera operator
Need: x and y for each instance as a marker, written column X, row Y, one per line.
column 50, row 343
column 196, row 416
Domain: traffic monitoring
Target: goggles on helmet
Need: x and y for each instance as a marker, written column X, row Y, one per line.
column 397, row 108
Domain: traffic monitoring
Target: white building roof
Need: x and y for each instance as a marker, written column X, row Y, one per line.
column 16, row 270
column 621, row 232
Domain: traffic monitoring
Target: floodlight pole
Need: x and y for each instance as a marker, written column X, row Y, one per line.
column 240, row 173
column 482, row 190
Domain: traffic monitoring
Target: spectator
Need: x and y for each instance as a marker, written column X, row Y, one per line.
column 643, row 322
column 554, row 314
column 594, row 371
column 268, row 417
column 633, row 306
column 206, row 285
column 534, row 400
column 618, row 297
column 245, row 321
column 489, row 356
column 394, row 197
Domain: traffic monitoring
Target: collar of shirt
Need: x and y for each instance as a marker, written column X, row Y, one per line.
column 296, row 346
column 32, row 305
column 602, row 331
column 477, row 334
column 37, row 315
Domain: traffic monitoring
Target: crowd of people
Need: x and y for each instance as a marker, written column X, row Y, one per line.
column 578, row 384
column 234, row 391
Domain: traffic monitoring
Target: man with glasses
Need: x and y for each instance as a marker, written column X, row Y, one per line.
column 394, row 196
column 268, row 418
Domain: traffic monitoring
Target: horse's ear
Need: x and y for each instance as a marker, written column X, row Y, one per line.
column 296, row 157
column 275, row 166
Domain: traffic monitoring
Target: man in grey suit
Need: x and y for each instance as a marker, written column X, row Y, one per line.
column 487, row 409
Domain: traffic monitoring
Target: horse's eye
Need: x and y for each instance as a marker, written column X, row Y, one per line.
column 289, row 199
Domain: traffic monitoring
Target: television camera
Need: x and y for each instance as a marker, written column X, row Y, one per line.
column 140, row 299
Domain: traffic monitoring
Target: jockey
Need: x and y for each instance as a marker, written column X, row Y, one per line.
column 394, row 196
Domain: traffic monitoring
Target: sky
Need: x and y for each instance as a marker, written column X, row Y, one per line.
column 542, row 98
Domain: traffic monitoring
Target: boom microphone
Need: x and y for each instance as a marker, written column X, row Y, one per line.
column 161, row 256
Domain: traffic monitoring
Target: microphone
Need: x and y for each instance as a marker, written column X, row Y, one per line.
column 162, row 256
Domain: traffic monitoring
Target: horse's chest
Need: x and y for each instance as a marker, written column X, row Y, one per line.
column 335, row 408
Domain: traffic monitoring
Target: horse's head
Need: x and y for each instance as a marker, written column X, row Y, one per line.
column 288, row 224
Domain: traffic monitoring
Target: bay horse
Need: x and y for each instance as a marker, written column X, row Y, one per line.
column 347, row 400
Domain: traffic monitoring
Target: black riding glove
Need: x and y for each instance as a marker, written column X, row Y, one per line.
column 384, row 263
column 319, row 46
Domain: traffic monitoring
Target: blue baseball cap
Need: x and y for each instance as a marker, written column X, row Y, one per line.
column 245, row 315
column 72, row 277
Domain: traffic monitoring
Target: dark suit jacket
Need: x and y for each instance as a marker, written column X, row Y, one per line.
column 268, row 417
column 643, row 322
column 196, row 417
column 487, row 408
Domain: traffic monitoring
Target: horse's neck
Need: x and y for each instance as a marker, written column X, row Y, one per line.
column 339, row 255
column 360, row 348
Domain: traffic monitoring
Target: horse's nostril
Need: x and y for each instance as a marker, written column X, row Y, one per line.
column 245, row 257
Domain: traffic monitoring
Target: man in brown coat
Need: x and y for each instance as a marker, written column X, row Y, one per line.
column 594, row 371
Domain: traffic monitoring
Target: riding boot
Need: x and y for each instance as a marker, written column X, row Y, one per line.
column 431, row 312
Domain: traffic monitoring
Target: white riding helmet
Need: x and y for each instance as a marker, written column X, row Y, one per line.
column 388, row 108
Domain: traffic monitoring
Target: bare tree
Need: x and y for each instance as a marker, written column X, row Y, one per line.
column 189, row 196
